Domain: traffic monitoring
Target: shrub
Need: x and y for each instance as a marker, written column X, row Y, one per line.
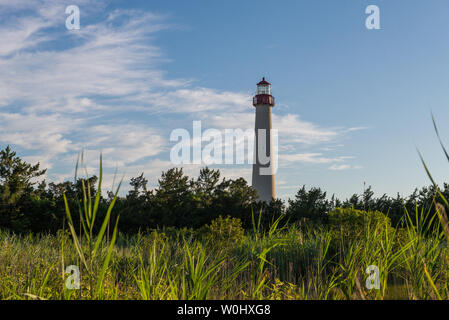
column 352, row 223
column 223, row 232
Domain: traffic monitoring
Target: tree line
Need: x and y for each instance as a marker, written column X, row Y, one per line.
column 178, row 201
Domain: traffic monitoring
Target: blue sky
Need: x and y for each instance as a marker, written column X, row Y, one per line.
column 352, row 104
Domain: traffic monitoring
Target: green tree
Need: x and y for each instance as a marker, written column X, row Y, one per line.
column 17, row 180
column 311, row 205
column 205, row 186
column 174, row 199
column 137, row 209
column 236, row 199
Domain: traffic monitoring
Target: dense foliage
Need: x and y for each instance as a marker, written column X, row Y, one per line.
column 201, row 239
column 178, row 201
column 222, row 261
column 187, row 240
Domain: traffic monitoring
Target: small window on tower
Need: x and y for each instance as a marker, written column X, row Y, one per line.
column 263, row 89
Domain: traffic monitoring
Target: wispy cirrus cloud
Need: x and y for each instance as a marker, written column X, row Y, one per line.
column 57, row 85
column 201, row 100
column 98, row 88
column 292, row 132
column 317, row 158
column 38, row 132
column 341, row 167
column 66, row 91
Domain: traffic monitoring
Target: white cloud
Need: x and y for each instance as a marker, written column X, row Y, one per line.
column 340, row 167
column 125, row 144
column 316, row 158
column 291, row 127
column 338, row 163
column 91, row 90
column 200, row 100
column 48, row 97
column 37, row 132
column 294, row 129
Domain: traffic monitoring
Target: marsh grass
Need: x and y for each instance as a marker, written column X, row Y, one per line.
column 295, row 261
column 93, row 252
column 291, row 263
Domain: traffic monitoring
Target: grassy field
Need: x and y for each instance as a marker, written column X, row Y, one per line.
column 356, row 255
column 222, row 262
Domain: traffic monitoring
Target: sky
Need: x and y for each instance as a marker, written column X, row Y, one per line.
column 353, row 105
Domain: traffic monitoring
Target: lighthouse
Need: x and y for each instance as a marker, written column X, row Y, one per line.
column 263, row 179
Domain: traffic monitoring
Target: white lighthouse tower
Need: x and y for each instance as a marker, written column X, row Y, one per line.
column 263, row 167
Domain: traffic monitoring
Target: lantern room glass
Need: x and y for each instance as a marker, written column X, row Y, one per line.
column 263, row 89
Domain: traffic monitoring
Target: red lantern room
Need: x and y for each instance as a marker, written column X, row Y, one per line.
column 263, row 95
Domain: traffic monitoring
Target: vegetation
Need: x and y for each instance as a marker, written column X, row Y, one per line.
column 178, row 201
column 278, row 263
column 208, row 238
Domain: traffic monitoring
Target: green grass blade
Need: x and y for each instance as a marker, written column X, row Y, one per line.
column 106, row 219
column 74, row 236
column 439, row 138
column 98, row 195
column 100, row 281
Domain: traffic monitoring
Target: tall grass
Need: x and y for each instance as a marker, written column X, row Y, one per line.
column 433, row 253
column 288, row 262
column 291, row 264
column 88, row 209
